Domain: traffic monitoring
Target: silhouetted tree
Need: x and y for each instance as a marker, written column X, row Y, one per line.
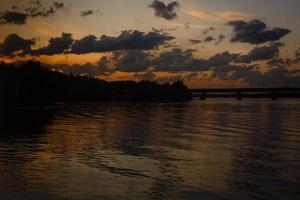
column 32, row 83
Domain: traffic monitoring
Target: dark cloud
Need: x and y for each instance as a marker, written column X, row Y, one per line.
column 187, row 26
column 255, row 32
column 58, row 5
column 259, row 53
column 208, row 30
column 221, row 59
column 13, row 43
column 223, row 66
column 56, row 45
column 132, row 61
column 166, row 11
column 37, row 9
column 209, row 39
column 224, row 72
column 220, row 38
column 14, row 7
column 158, row 30
column 34, row 8
column 275, row 77
column 178, row 60
column 127, row 40
column 86, row 13
column 195, row 41
column 13, row 17
column 278, row 44
column 277, row 61
column 284, row 62
column 175, row 60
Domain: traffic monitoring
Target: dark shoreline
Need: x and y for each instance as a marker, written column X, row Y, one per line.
column 31, row 83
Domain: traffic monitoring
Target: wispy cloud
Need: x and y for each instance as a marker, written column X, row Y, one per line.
column 183, row 25
column 198, row 14
column 225, row 16
column 233, row 15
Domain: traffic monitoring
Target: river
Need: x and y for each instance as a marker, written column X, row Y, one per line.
column 212, row 150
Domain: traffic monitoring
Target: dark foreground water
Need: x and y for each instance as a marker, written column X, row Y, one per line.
column 197, row 150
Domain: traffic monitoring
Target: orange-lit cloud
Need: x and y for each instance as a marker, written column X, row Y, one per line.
column 224, row 16
column 233, row 15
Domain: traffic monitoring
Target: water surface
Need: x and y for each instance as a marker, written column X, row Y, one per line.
column 221, row 149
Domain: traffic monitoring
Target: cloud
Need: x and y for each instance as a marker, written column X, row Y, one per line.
column 223, row 16
column 148, row 76
column 13, row 43
column 13, row 17
column 208, row 30
column 183, row 25
column 195, row 41
column 132, row 61
column 127, row 40
column 175, row 60
column 222, row 66
column 233, row 15
column 209, row 39
column 86, row 13
column 98, row 69
column 220, row 38
column 178, row 60
column 56, row 45
column 58, row 5
column 255, row 32
column 166, row 11
column 275, row 77
column 259, row 53
column 199, row 14
column 284, row 62
column 221, row 59
column 35, row 8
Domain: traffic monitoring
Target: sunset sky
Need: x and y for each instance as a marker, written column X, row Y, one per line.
column 206, row 43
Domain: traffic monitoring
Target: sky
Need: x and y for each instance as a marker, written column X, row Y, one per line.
column 205, row 43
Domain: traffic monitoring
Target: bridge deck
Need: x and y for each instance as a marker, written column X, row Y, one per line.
column 234, row 90
column 240, row 93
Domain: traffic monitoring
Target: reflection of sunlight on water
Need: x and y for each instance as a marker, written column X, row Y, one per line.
column 211, row 149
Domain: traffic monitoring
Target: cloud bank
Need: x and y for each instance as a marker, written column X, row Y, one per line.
column 127, row 40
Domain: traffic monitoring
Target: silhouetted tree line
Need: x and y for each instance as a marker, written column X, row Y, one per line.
column 33, row 83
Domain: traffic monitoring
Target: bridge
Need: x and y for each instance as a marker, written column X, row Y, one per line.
column 240, row 93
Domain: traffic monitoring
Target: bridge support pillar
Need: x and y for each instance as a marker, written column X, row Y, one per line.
column 203, row 96
column 274, row 96
column 239, row 95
